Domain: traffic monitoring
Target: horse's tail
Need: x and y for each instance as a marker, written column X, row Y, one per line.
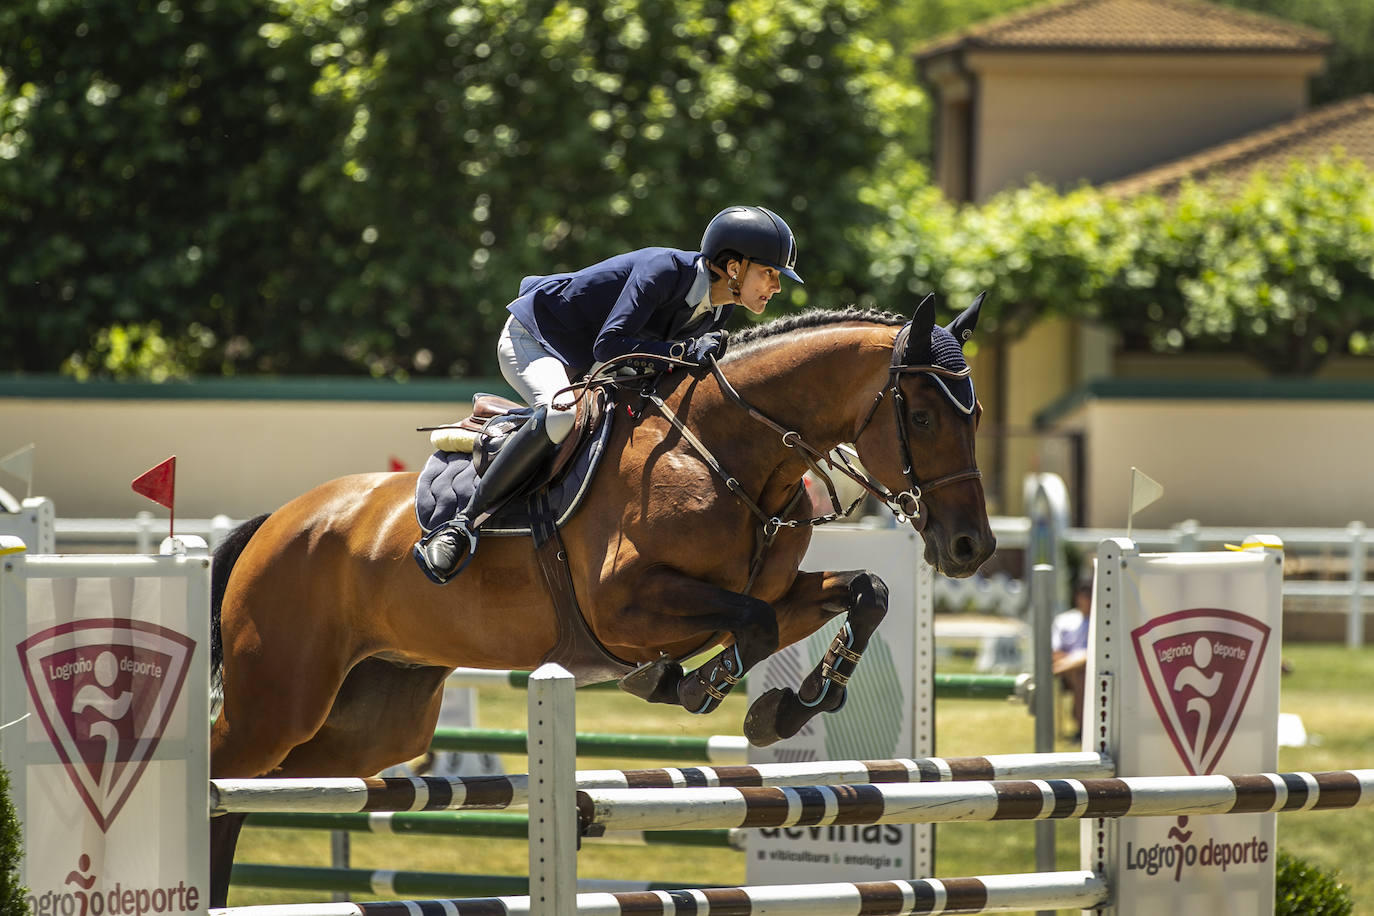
column 226, row 555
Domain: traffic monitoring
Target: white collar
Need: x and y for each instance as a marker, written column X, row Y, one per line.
column 699, row 295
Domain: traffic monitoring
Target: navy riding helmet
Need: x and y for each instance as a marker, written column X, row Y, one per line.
column 757, row 233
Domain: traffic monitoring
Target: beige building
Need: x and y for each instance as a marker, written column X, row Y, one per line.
column 1097, row 90
column 1134, row 95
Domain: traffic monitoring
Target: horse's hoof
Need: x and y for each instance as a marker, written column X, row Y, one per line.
column 655, row 681
column 763, row 723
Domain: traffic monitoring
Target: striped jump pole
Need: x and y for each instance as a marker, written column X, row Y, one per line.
column 448, row 793
column 983, row 894
column 1070, row 765
column 1027, row 800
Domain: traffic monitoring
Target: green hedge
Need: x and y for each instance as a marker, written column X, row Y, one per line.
column 1280, row 267
column 1304, row 889
column 13, row 901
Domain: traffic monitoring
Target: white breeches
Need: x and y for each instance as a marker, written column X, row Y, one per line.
column 536, row 375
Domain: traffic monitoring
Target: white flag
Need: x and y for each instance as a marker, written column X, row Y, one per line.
column 1144, row 491
column 20, row 463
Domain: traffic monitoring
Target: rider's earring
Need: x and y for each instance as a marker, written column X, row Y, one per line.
column 733, row 284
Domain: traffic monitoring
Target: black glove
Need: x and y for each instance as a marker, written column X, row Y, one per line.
column 712, row 343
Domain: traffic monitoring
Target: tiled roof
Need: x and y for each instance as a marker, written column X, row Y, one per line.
column 1134, row 25
column 1347, row 125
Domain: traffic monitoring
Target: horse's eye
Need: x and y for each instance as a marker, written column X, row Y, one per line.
column 920, row 419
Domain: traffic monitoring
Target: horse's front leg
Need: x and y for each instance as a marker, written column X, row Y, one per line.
column 781, row 712
column 671, row 607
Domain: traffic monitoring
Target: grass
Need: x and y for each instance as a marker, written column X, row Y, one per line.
column 1328, row 688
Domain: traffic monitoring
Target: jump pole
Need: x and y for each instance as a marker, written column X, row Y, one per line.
column 982, row 894
column 466, row 793
column 1008, row 800
column 717, row 749
column 952, row 686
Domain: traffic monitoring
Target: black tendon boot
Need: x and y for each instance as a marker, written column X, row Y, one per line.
column 443, row 552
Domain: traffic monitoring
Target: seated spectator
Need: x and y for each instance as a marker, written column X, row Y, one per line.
column 1069, row 647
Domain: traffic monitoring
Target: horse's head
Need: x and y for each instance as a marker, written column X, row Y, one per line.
column 922, row 449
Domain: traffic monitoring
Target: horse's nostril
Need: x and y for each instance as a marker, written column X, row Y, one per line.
column 971, row 551
column 963, row 549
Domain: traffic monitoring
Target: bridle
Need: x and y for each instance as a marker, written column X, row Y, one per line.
column 906, row 505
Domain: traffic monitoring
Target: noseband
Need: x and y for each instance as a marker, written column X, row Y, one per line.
column 907, row 504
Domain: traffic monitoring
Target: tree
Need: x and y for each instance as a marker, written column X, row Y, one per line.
column 154, row 160
column 303, row 186
column 503, row 139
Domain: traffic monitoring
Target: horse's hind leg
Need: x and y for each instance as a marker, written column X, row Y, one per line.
column 781, row 712
column 384, row 714
column 224, row 839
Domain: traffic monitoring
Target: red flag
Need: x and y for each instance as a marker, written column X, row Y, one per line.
column 159, row 484
column 396, row 464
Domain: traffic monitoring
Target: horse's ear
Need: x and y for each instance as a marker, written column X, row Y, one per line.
column 962, row 327
column 918, row 338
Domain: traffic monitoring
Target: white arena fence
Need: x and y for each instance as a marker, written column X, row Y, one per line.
column 999, row 594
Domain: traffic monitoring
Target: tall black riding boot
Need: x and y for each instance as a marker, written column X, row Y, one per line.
column 443, row 552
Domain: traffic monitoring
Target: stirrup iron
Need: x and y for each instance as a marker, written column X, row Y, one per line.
column 459, row 531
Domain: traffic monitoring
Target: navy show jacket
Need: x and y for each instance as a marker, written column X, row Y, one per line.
column 632, row 303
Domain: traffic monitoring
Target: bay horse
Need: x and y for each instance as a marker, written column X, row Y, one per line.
column 334, row 647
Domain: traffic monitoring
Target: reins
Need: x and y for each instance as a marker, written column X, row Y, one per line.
column 905, row 506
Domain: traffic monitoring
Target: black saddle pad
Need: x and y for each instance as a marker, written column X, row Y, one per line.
column 447, row 481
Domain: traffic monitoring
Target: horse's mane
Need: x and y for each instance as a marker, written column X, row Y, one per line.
column 806, row 320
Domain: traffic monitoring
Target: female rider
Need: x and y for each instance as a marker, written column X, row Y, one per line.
column 656, row 303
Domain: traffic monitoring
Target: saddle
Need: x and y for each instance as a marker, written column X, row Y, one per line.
column 467, row 447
